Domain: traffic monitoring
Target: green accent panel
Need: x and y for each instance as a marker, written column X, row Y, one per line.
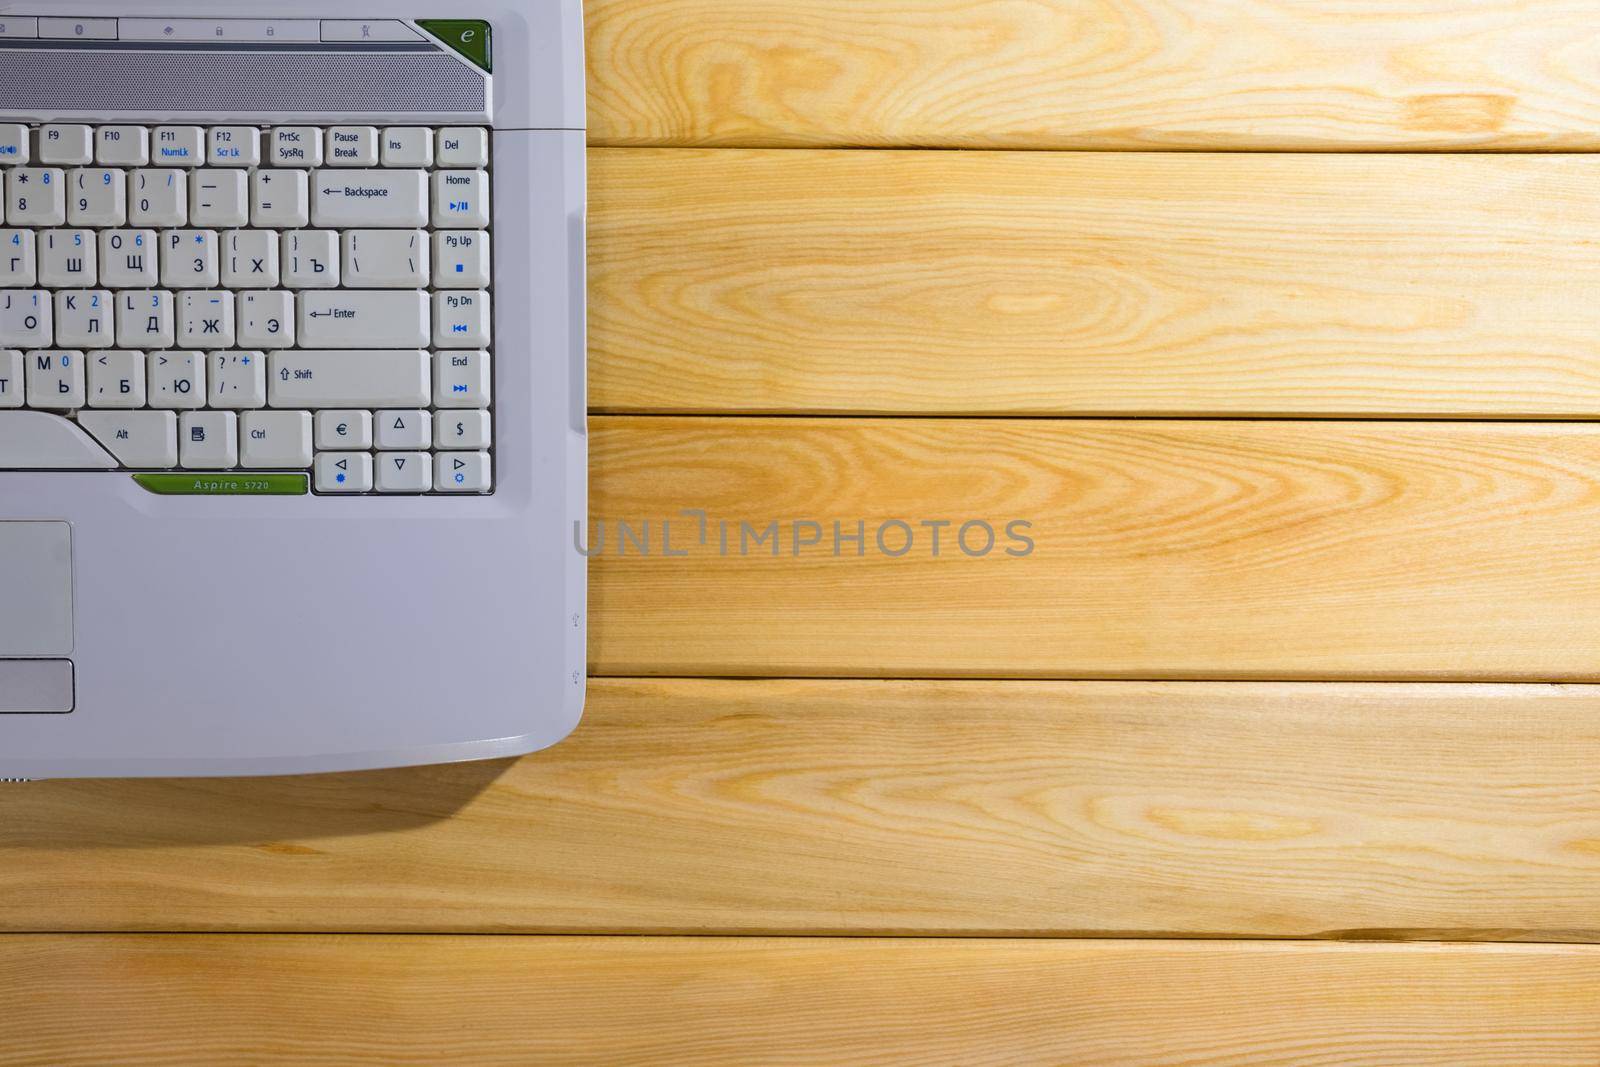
column 470, row 37
column 230, row 484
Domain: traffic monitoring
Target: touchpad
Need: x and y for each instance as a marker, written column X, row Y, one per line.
column 35, row 589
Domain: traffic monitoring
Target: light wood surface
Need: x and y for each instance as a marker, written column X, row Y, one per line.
column 1098, row 283
column 1122, row 74
column 702, row 806
column 1177, row 549
column 881, row 287
column 318, row 1001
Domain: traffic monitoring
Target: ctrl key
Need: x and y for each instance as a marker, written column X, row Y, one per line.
column 343, row 472
column 462, row 472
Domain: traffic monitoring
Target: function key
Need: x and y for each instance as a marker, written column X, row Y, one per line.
column 296, row 146
column 368, row 30
column 63, row 143
column 179, row 146
column 13, row 143
column 407, row 146
column 463, row 146
column 352, row 146
column 122, row 146
column 82, row 29
column 252, row 31
column 235, row 146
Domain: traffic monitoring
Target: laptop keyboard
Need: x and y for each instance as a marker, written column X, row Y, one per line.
column 243, row 298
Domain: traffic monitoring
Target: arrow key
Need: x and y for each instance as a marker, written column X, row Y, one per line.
column 403, row 429
column 343, row 472
column 405, row 472
column 462, row 472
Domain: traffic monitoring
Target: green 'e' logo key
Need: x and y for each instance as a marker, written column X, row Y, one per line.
column 470, row 37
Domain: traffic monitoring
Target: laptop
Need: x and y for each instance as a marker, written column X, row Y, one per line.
column 292, row 362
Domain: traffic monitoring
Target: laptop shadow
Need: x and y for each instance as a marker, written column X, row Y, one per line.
column 276, row 814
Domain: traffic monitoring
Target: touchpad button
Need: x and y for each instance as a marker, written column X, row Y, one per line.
column 35, row 589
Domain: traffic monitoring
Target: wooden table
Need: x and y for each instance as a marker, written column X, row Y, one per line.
column 1279, row 746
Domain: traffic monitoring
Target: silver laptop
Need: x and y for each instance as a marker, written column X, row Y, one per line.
column 292, row 435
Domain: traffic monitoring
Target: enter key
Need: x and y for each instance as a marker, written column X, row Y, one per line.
column 346, row 318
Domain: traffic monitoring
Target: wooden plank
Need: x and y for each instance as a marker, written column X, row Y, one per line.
column 1094, row 284
column 1106, row 74
column 1238, row 809
column 1180, row 549
column 516, row 1000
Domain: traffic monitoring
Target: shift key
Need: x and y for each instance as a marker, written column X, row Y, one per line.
column 344, row 378
column 364, row 318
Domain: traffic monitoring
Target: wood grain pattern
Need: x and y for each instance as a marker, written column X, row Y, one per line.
column 1094, row 284
column 511, row 1000
column 701, row 806
column 1107, row 74
column 1186, row 549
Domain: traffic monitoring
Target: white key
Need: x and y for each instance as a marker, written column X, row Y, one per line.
column 11, row 378
column 463, row 146
column 386, row 259
column 128, row 259
column 27, row 318
column 340, row 428
column 407, row 146
column 343, row 472
column 311, row 259
column 97, row 196
column 37, row 196
column 369, row 198
column 160, row 198
column 266, row 319
column 403, row 429
column 205, row 319
column 179, row 146
column 13, row 143
column 461, row 320
column 76, row 28
column 238, row 380
column 18, row 258
column 122, row 146
column 295, row 146
column 461, row 429
column 55, row 379
column 347, row 378
column 189, row 259
column 84, row 318
column 208, row 440
column 139, row 439
column 461, row 380
column 234, row 146
column 116, row 379
column 67, row 143
column 460, row 259
column 461, row 198
column 37, row 439
column 176, row 379
column 275, row 439
column 279, row 199
column 219, row 197
column 405, row 472
column 463, row 472
column 250, row 259
column 364, row 318
column 352, row 146
column 68, row 257
column 145, row 319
